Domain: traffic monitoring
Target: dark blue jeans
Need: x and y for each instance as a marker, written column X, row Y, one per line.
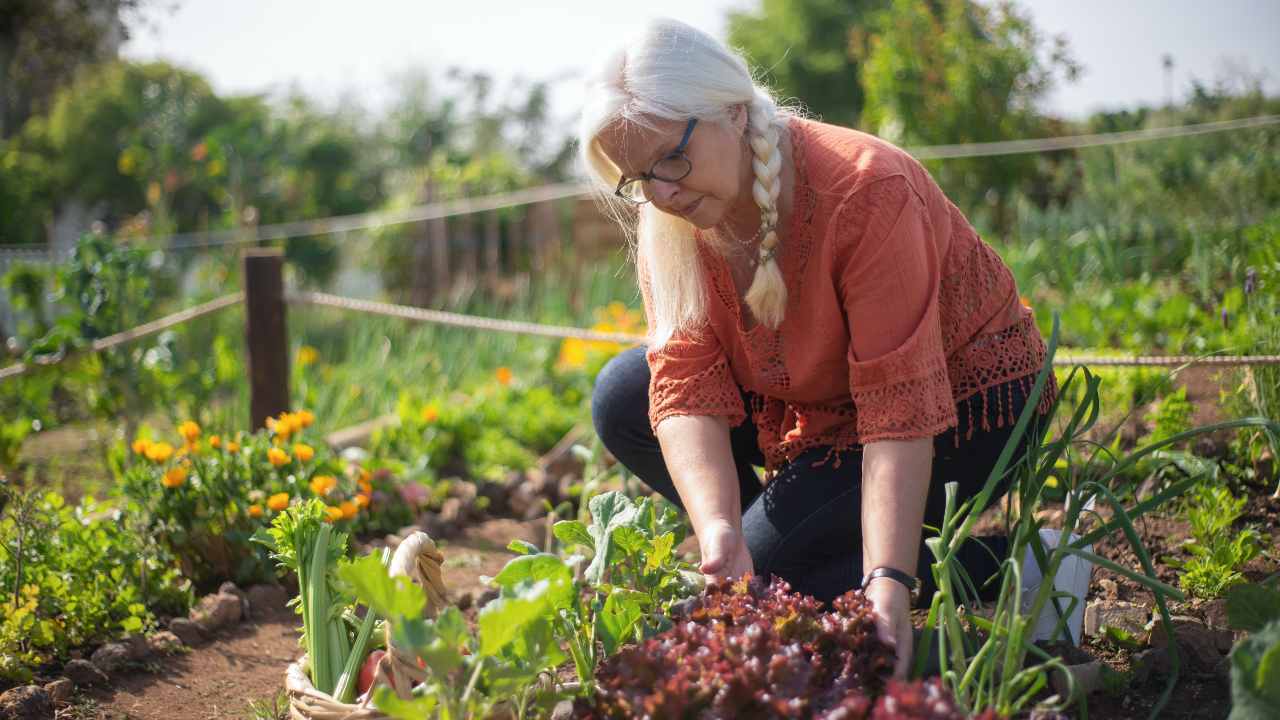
column 805, row 526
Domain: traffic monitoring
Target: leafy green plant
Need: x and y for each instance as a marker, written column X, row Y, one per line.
column 76, row 575
column 469, row 673
column 984, row 664
column 301, row 539
column 1216, row 552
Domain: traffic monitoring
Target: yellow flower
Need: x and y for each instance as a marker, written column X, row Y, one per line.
column 140, row 446
column 277, row 457
column 332, row 514
column 255, row 510
column 323, row 484
column 304, row 452
column 159, row 452
column 215, row 441
column 307, row 355
column 233, row 446
column 362, row 501
column 174, row 476
column 1051, row 482
column 573, row 353
column 348, row 509
column 189, row 431
column 304, row 418
column 503, row 375
column 278, row 502
column 430, row 413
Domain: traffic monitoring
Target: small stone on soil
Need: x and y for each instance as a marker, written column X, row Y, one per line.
column 84, row 673
column 27, row 702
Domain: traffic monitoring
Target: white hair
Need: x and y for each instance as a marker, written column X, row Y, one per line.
column 673, row 71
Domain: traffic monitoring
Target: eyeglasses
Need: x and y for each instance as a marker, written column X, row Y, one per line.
column 674, row 167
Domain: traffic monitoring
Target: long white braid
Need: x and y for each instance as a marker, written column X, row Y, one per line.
column 767, row 296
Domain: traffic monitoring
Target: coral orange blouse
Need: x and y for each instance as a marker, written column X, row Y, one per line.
column 897, row 313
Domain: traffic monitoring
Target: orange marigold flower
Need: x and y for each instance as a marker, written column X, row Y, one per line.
column 348, row 509
column 278, row 502
column 140, row 446
column 233, row 446
column 366, row 487
column 323, row 484
column 215, row 441
column 255, row 510
column 159, row 452
column 430, row 413
column 304, row 418
column 304, row 452
column 332, row 514
column 1025, row 302
column 362, row 501
column 307, row 355
column 504, row 375
column 189, row 431
column 174, row 476
column 277, row 457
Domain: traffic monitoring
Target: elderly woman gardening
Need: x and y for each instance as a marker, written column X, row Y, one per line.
column 816, row 306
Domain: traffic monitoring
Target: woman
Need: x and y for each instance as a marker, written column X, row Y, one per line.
column 817, row 307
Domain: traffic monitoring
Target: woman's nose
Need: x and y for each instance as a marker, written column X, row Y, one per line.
column 662, row 192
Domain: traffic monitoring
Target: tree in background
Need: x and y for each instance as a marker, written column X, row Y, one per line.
column 44, row 42
column 958, row 71
column 804, row 49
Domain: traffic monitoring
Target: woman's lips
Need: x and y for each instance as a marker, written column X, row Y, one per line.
column 693, row 206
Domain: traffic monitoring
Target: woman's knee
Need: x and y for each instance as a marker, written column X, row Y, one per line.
column 620, row 399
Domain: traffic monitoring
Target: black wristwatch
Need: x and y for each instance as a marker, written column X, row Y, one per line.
column 912, row 583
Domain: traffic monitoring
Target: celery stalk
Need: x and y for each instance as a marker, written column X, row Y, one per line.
column 318, row 634
column 346, row 689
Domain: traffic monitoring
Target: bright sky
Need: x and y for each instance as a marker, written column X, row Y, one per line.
column 332, row 50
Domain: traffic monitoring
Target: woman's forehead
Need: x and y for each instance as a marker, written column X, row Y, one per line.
column 633, row 147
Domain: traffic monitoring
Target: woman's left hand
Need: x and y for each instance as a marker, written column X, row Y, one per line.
column 892, row 604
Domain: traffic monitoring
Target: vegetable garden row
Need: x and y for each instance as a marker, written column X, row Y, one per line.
column 607, row 618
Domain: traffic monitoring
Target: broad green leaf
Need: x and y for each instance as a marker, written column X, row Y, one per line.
column 1255, row 675
column 1250, row 607
column 660, row 551
column 629, row 540
column 608, row 510
column 390, row 597
column 415, row 708
column 617, row 619
column 529, row 569
column 573, row 532
column 509, row 616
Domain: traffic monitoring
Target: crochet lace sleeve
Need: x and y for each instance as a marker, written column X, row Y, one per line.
column 890, row 274
column 689, row 375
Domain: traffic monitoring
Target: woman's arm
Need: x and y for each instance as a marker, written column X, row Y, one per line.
column 895, row 483
column 700, row 460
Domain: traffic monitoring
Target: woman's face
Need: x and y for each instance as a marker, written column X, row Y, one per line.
column 716, row 152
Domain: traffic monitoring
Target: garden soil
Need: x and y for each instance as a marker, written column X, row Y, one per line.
column 220, row 678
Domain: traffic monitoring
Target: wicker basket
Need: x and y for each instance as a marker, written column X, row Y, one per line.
column 418, row 559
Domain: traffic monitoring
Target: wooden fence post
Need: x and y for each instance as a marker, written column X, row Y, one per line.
column 265, row 335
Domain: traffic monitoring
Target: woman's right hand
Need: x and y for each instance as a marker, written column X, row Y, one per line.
column 724, row 553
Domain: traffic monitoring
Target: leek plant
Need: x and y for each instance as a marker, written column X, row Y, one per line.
column 984, row 662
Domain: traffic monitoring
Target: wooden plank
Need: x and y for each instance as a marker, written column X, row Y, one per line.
column 266, row 337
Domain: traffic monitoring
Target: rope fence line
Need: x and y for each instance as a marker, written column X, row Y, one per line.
column 143, row 330
column 441, row 317
column 559, row 331
column 1074, row 142
column 546, row 193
